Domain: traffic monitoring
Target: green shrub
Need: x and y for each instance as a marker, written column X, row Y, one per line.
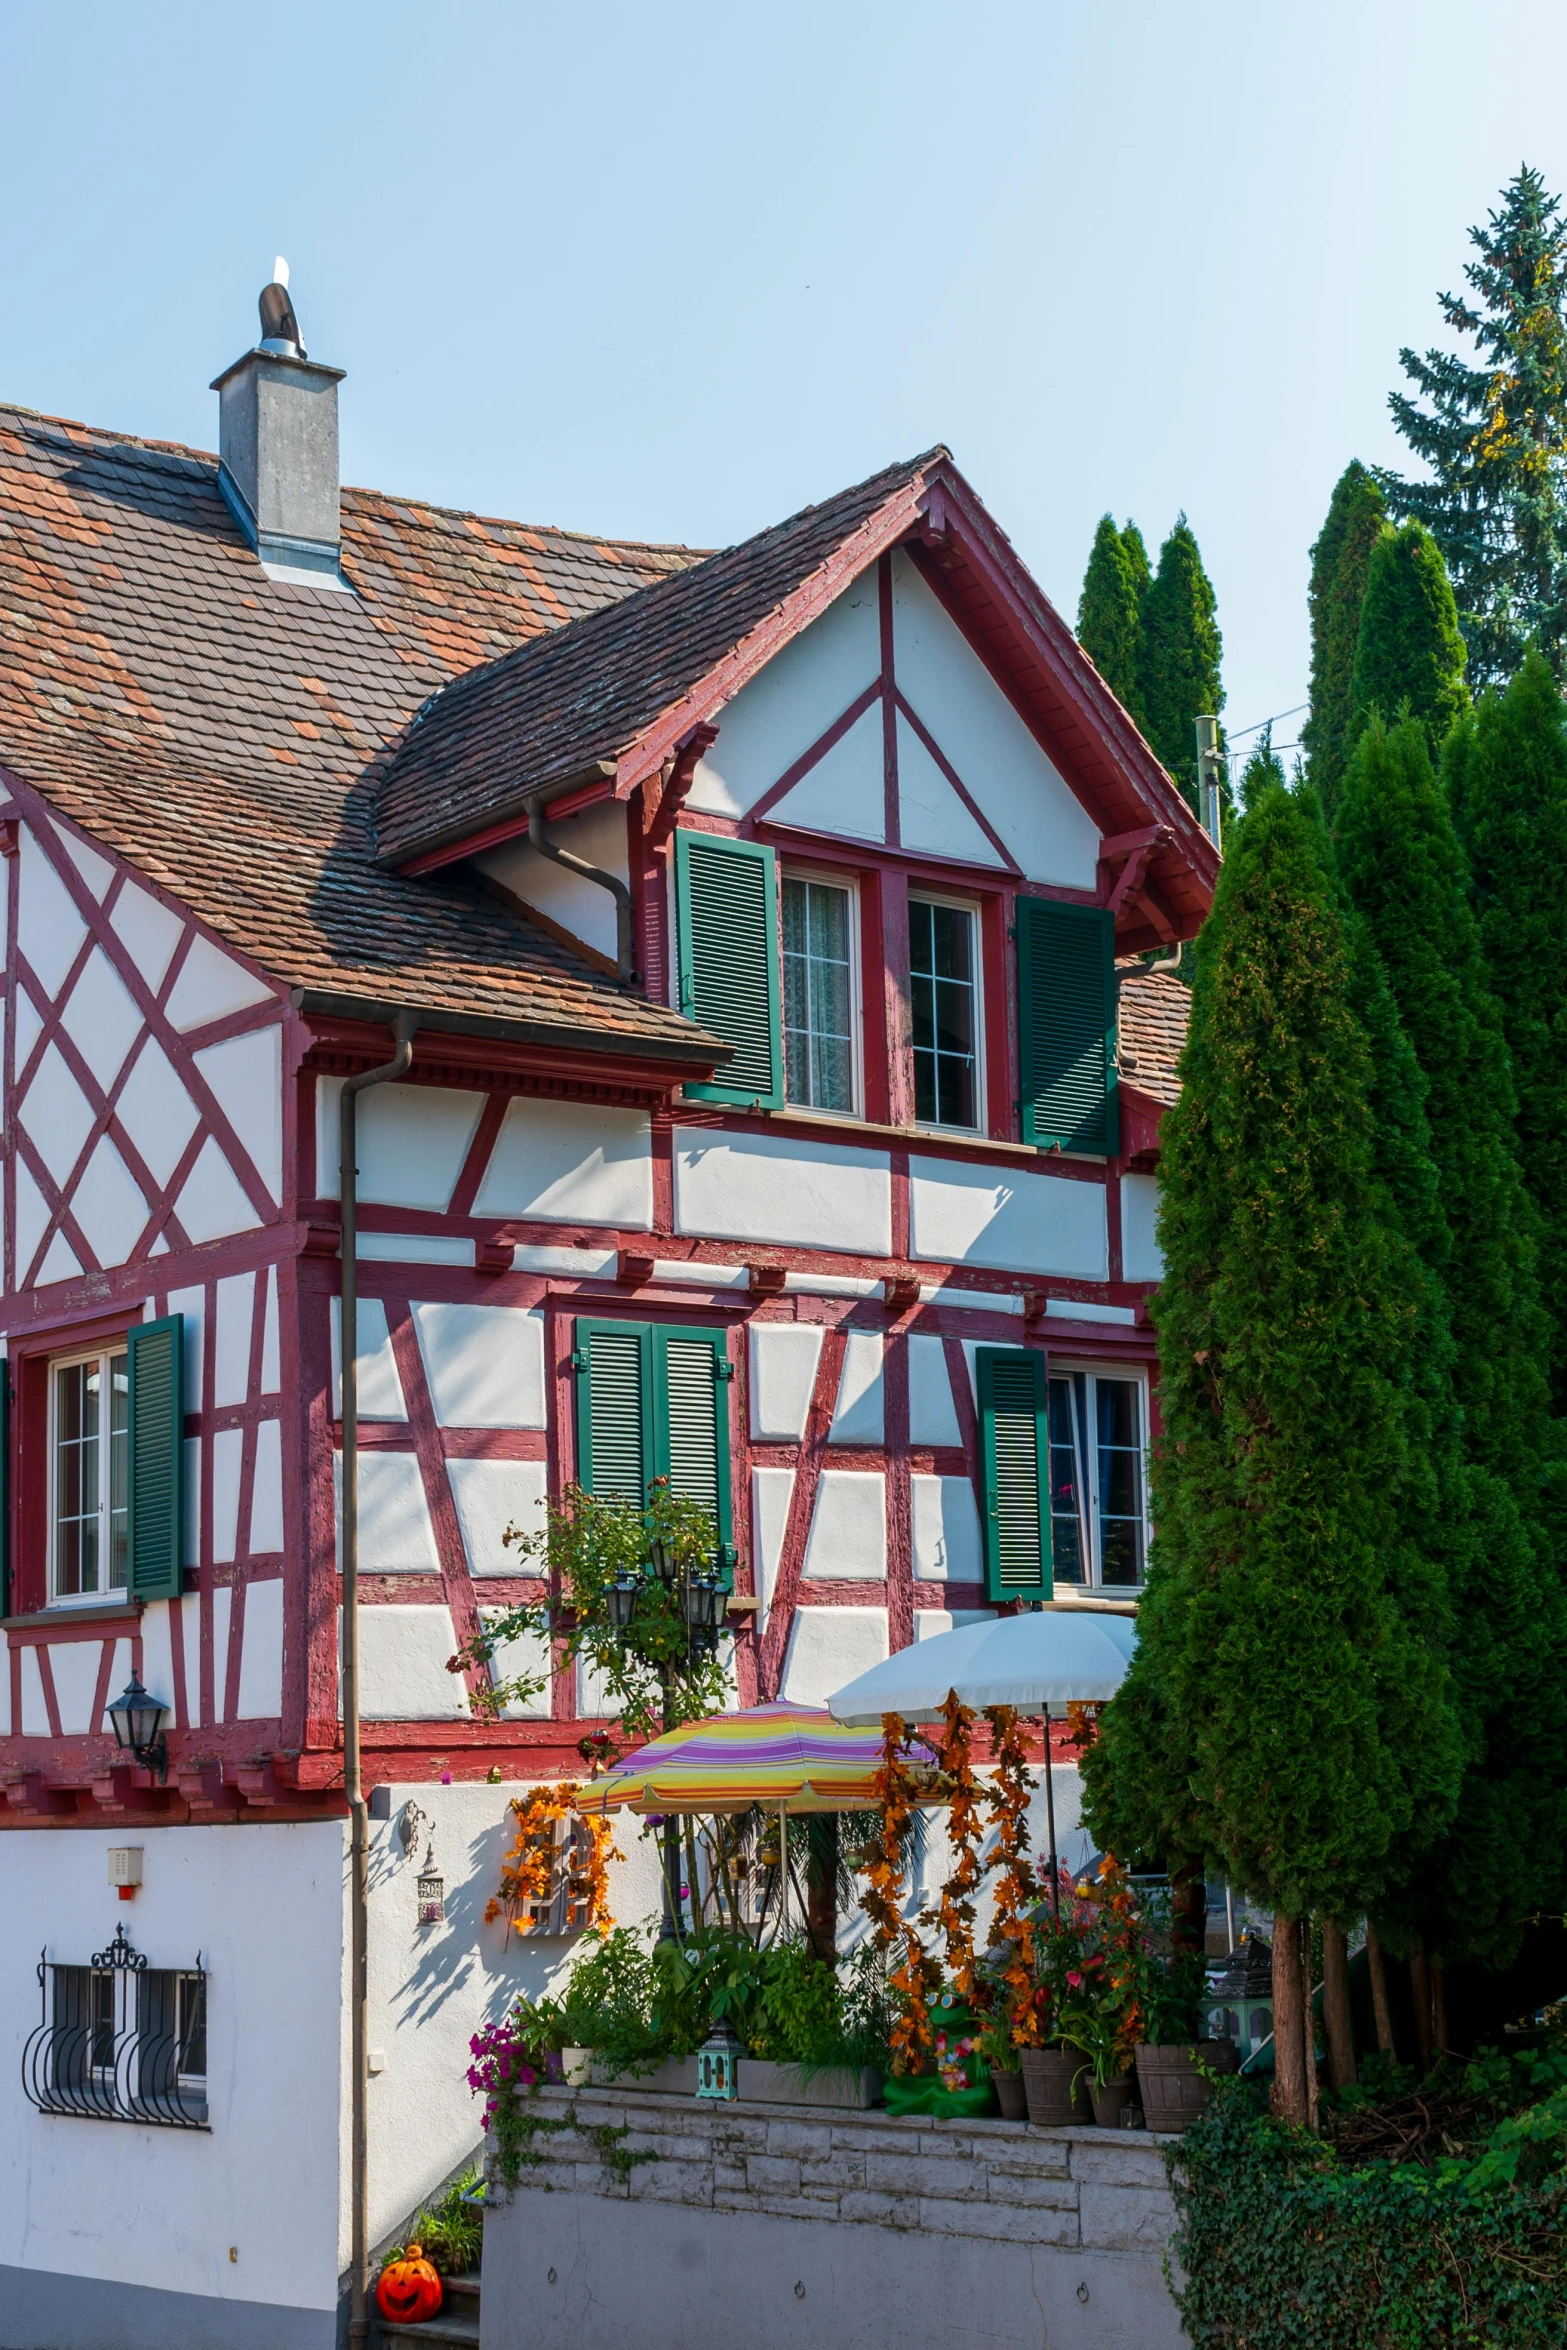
column 1282, row 2245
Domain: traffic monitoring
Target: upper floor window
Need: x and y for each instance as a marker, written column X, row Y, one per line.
column 819, row 993
column 1098, row 1485
column 944, row 997
column 89, row 1454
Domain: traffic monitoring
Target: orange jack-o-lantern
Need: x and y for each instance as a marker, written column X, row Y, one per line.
column 409, row 2290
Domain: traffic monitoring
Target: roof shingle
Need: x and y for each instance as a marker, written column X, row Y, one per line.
column 221, row 731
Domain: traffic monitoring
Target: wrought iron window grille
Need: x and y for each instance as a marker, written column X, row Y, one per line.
column 120, row 2041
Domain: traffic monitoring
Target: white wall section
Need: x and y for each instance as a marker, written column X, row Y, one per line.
column 212, row 1204
column 772, row 1490
column 828, row 1647
column 380, row 1388
column 1142, row 1259
column 1013, row 1220
column 395, row 1534
column 413, row 1140
column 490, row 1496
column 858, row 1415
column 150, row 929
column 946, row 1530
column 231, row 1344
column 848, row 1537
column 227, row 1445
column 210, row 986
column 50, row 930
column 156, row 1111
column 570, row 1163
column 846, row 791
column 599, row 836
column 246, row 1077
column 1044, row 824
column 101, row 1018
column 784, row 1356
column 403, row 1653
column 528, row 1654
column 791, row 703
column 485, row 1364
column 771, row 1187
column 266, row 1493
column 933, row 1417
column 261, row 1656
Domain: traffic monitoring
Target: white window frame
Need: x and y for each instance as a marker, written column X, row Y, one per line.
column 104, row 1357
column 826, row 878
column 1133, row 1375
column 975, row 912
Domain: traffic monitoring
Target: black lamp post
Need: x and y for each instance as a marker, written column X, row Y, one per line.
column 703, row 1604
column 138, row 1728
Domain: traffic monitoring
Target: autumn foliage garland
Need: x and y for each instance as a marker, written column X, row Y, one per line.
column 528, row 1870
column 1016, row 1891
column 916, row 1976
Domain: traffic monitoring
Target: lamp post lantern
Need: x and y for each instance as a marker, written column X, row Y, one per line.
column 138, row 1728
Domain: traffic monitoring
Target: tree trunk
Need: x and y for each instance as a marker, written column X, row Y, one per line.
column 1420, row 1985
column 1335, row 2005
column 1189, row 1906
column 821, row 1886
column 1439, row 2006
column 1308, row 2028
column 1289, row 2077
column 1378, row 1971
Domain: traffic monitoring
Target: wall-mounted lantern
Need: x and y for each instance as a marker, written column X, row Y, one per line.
column 138, row 1728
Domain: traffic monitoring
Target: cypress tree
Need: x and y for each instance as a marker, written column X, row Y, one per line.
column 1494, row 437
column 1404, row 870
column 1409, row 653
column 1355, row 520
column 1288, row 1706
column 1506, row 772
column 1109, row 611
column 1181, row 653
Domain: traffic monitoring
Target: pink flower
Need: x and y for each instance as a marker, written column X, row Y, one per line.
column 1075, row 1979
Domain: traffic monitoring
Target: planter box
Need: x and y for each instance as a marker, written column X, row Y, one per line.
column 762, row 2084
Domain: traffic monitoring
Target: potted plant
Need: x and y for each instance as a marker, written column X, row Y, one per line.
column 1000, row 2051
column 1098, row 2033
column 1176, row 2065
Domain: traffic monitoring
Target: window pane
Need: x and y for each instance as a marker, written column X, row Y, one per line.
column 76, row 1400
column 818, row 1047
column 119, row 1466
column 1119, row 1426
column 1066, row 1535
column 193, row 2027
column 943, row 998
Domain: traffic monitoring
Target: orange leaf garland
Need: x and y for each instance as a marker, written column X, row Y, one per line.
column 915, row 1976
column 529, row 1871
column 1016, row 1891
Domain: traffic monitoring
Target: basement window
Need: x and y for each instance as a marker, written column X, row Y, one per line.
column 120, row 2041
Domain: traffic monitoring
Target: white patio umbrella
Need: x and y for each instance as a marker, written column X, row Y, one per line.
column 1040, row 1662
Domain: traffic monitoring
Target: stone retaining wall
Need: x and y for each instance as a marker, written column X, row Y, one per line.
column 755, row 2226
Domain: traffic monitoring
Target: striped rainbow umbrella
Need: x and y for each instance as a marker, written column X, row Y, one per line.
column 777, row 1755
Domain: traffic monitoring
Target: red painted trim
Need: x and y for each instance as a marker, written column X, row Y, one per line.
column 486, row 1135
column 900, row 1512
column 892, row 825
column 663, row 1174
column 998, row 1017
column 773, row 1646
column 893, row 984
column 457, row 1585
column 816, row 753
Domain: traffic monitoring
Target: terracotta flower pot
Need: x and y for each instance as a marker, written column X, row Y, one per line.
column 1010, row 2095
column 1172, row 2090
column 1110, row 2102
column 1048, row 2078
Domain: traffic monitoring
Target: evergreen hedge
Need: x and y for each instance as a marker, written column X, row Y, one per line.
column 1282, row 2246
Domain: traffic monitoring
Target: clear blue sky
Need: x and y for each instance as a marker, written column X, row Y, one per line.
column 671, row 270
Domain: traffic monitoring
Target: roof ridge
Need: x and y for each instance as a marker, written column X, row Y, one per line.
column 187, row 449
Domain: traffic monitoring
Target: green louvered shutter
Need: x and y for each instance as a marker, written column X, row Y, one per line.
column 692, row 1421
column 726, row 923
column 1015, row 1445
column 1066, row 1027
column 614, row 1432
column 155, row 1410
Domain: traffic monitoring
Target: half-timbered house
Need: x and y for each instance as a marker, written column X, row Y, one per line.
column 772, row 1122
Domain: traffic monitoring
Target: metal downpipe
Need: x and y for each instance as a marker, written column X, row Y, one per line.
column 625, row 952
column 359, row 1826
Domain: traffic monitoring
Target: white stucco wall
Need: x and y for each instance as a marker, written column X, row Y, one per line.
column 1142, row 1259
column 584, row 908
column 160, row 2207
column 772, row 1187
column 1013, row 1220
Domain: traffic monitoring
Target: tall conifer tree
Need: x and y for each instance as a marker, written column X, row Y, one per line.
column 1506, row 771
column 1404, row 870
column 1409, row 652
column 1355, row 520
column 1181, row 654
column 1288, row 1708
column 1495, row 436
column 1110, row 609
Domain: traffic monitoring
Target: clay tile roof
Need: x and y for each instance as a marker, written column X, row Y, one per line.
column 1151, row 1032
column 559, row 706
column 220, row 731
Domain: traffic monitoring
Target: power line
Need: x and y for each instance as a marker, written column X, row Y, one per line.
column 1235, row 733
